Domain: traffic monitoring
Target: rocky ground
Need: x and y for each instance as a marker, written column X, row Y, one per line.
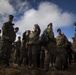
column 15, row 70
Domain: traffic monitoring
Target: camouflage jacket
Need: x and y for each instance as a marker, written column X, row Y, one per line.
column 74, row 46
column 61, row 40
column 34, row 37
column 52, row 42
column 8, row 33
column 18, row 45
column 25, row 40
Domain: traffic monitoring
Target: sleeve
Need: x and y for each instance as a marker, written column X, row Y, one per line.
column 5, row 29
column 66, row 41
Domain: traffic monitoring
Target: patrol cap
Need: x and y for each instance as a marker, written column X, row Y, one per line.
column 50, row 24
column 11, row 16
column 58, row 29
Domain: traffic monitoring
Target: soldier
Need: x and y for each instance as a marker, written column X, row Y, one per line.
column 24, row 49
column 8, row 37
column 16, row 29
column 50, row 47
column 69, row 52
column 0, row 35
column 17, row 50
column 33, row 48
column 74, row 48
column 61, row 62
column 0, row 44
column 42, row 57
column 0, row 39
column 74, row 43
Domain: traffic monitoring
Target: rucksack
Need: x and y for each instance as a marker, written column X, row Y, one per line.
column 44, row 39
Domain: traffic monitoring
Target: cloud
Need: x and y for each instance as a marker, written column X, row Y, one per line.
column 25, row 18
column 47, row 12
column 70, row 39
column 15, row 7
column 5, row 7
column 19, row 5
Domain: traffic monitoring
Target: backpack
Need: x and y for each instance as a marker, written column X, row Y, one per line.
column 44, row 39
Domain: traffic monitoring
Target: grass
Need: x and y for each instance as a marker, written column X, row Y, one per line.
column 15, row 70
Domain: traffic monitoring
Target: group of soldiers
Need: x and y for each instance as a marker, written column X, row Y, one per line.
column 57, row 53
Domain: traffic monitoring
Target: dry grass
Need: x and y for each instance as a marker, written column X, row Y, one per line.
column 15, row 70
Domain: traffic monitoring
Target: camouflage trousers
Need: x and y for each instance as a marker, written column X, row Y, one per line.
column 23, row 56
column 42, row 57
column 6, row 52
column 61, row 59
column 34, row 55
column 17, row 55
column 48, row 57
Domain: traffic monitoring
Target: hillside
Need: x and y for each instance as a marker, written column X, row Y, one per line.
column 15, row 70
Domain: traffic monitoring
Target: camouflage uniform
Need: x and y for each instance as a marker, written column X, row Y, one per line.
column 0, row 47
column 74, row 47
column 42, row 57
column 69, row 52
column 50, row 49
column 17, row 51
column 33, row 48
column 0, row 43
column 24, row 51
column 62, row 53
column 8, row 36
